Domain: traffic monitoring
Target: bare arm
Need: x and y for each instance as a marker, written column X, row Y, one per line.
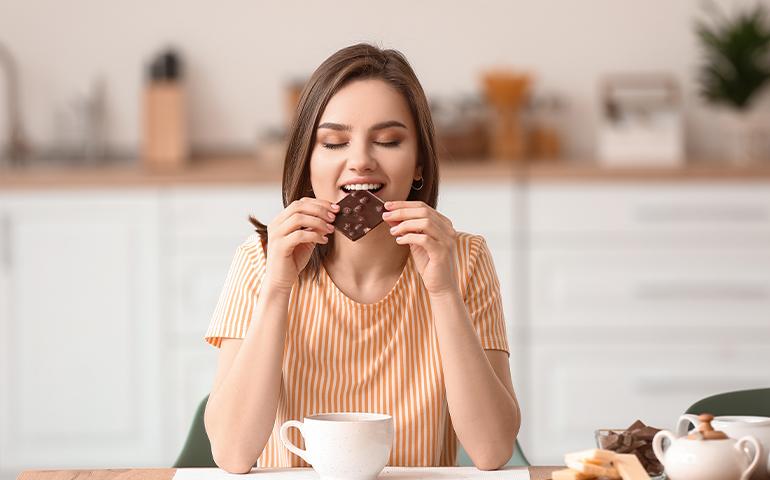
column 241, row 409
column 483, row 406
column 240, row 413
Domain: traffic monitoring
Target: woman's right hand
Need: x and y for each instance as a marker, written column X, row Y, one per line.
column 292, row 236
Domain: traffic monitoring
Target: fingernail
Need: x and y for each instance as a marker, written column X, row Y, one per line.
column 330, row 215
column 330, row 227
column 393, row 229
column 386, row 214
column 388, row 205
column 335, row 206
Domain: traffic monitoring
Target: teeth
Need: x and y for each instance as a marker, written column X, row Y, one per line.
column 362, row 186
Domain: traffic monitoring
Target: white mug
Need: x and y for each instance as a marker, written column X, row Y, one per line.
column 343, row 446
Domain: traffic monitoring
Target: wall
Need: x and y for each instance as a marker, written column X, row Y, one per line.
column 239, row 54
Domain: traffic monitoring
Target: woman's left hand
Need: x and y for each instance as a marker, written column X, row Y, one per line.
column 431, row 239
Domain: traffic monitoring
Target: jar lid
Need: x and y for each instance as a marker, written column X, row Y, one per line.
column 705, row 431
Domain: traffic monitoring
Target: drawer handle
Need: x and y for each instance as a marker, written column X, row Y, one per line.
column 678, row 292
column 667, row 386
column 703, row 213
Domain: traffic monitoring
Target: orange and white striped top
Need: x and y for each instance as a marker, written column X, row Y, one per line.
column 341, row 355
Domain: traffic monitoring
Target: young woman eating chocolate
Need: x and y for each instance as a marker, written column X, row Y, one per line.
column 405, row 320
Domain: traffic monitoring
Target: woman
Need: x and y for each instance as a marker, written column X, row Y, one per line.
column 406, row 320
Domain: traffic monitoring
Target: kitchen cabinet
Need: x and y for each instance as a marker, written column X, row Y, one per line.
column 641, row 300
column 621, row 302
column 201, row 229
column 580, row 386
column 80, row 324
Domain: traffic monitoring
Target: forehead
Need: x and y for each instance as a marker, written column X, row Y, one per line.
column 362, row 103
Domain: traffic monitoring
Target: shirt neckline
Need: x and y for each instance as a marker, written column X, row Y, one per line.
column 396, row 287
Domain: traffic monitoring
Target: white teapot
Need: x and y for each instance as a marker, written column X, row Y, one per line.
column 706, row 454
column 736, row 427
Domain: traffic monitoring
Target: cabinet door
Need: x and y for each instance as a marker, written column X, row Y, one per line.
column 581, row 387
column 203, row 227
column 5, row 360
column 81, row 378
column 493, row 210
column 653, row 289
column 695, row 213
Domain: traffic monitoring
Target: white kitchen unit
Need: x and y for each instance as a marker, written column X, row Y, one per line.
column 622, row 301
column 80, row 326
column 641, row 299
column 201, row 227
column 493, row 209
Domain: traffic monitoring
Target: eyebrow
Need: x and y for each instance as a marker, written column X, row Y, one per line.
column 346, row 128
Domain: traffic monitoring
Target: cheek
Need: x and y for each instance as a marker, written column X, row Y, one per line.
column 323, row 175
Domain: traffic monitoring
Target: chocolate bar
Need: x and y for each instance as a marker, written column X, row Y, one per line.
column 360, row 212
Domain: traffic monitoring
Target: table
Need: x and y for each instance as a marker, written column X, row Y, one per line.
column 536, row 473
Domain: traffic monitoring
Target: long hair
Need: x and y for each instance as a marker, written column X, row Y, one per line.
column 357, row 62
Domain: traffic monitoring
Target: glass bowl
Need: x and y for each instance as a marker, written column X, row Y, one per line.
column 603, row 432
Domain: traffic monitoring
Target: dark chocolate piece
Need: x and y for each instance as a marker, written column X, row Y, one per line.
column 360, row 212
column 636, row 439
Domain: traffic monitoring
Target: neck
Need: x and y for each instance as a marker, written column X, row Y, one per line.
column 371, row 258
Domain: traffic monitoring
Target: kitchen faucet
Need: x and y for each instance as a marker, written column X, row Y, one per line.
column 17, row 148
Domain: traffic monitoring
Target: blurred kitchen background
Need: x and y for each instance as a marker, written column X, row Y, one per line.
column 623, row 145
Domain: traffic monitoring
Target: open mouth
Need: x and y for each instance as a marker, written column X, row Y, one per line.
column 371, row 187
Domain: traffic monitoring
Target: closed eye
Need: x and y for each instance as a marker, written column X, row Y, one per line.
column 333, row 146
column 388, row 144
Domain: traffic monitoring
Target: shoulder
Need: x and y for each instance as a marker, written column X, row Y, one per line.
column 472, row 255
column 252, row 250
column 470, row 246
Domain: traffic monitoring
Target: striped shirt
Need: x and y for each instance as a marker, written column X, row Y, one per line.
column 342, row 356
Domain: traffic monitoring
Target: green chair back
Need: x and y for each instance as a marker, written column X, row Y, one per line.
column 197, row 448
column 742, row 402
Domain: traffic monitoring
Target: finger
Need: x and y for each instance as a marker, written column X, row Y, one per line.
column 306, row 222
column 419, row 239
column 299, row 237
column 420, row 225
column 407, row 213
column 395, row 204
column 309, row 206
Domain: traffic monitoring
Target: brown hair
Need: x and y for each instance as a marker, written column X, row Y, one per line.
column 357, row 62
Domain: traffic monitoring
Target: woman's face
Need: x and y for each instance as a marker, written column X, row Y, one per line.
column 365, row 139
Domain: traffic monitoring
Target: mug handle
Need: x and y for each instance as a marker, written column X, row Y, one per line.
column 657, row 443
column 741, row 447
column 684, row 422
column 288, row 443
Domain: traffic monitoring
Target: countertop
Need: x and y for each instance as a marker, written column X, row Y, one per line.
column 248, row 170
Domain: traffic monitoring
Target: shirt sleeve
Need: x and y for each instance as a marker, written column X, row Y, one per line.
column 482, row 297
column 235, row 307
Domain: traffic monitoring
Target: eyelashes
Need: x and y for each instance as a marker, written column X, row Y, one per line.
column 333, row 146
column 336, row 146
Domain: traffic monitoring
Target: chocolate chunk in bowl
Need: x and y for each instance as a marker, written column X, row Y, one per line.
column 636, row 439
column 360, row 211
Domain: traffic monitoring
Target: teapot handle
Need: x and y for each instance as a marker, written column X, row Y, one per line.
column 684, row 422
column 740, row 445
column 657, row 443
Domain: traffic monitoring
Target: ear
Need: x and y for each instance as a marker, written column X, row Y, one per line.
column 418, row 172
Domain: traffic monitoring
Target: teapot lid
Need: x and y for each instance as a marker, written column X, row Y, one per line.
column 705, row 431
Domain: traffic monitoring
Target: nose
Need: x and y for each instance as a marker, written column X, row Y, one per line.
column 361, row 159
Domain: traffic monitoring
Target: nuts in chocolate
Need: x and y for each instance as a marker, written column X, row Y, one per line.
column 360, row 212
